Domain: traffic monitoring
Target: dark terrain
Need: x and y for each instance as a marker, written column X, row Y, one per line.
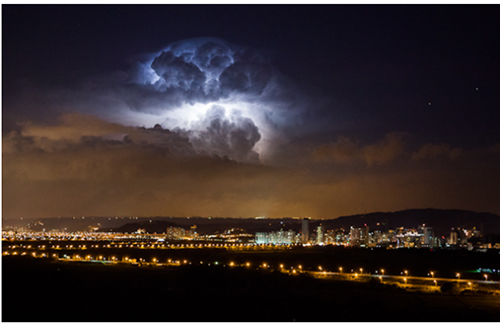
column 41, row 290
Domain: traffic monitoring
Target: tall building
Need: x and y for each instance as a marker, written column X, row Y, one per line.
column 462, row 237
column 365, row 238
column 319, row 237
column 355, row 238
column 453, row 238
column 340, row 236
column 428, row 237
column 305, row 230
column 458, row 237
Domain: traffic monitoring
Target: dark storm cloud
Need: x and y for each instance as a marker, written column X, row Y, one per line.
column 205, row 70
column 178, row 75
column 212, row 58
column 176, row 87
column 75, row 130
column 250, row 74
column 233, row 136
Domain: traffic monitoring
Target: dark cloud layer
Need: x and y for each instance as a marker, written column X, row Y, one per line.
column 347, row 151
column 84, row 166
column 179, row 86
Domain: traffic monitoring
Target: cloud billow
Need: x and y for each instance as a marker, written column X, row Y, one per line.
column 177, row 74
column 233, row 136
column 205, row 72
column 179, row 86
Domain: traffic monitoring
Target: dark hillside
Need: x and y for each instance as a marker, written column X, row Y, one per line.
column 440, row 220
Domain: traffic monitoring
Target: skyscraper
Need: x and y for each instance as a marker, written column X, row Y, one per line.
column 355, row 236
column 365, row 232
column 453, row 237
column 305, row 230
column 319, row 237
column 428, row 237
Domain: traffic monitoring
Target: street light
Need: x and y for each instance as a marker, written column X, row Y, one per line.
column 485, row 277
column 382, row 271
column 361, row 270
column 406, row 273
column 458, row 276
column 432, row 274
column 340, row 269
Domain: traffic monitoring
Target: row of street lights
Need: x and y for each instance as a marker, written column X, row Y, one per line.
column 265, row 265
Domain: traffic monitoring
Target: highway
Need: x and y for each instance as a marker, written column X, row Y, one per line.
column 402, row 278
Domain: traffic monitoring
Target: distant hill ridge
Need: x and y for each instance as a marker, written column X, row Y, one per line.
column 440, row 220
column 149, row 226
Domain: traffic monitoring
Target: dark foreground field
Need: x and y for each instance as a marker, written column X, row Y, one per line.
column 40, row 290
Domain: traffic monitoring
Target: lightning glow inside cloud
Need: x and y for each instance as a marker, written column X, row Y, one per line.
column 227, row 99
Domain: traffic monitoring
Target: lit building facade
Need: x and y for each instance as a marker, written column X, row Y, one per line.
column 319, row 235
column 276, row 237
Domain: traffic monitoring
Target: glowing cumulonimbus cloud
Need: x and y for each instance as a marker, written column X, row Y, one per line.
column 227, row 99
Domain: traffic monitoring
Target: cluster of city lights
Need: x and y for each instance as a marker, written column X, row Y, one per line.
column 155, row 245
column 355, row 237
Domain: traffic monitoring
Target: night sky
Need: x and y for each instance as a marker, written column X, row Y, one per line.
column 246, row 111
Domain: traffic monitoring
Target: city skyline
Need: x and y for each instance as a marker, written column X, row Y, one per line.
column 249, row 111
